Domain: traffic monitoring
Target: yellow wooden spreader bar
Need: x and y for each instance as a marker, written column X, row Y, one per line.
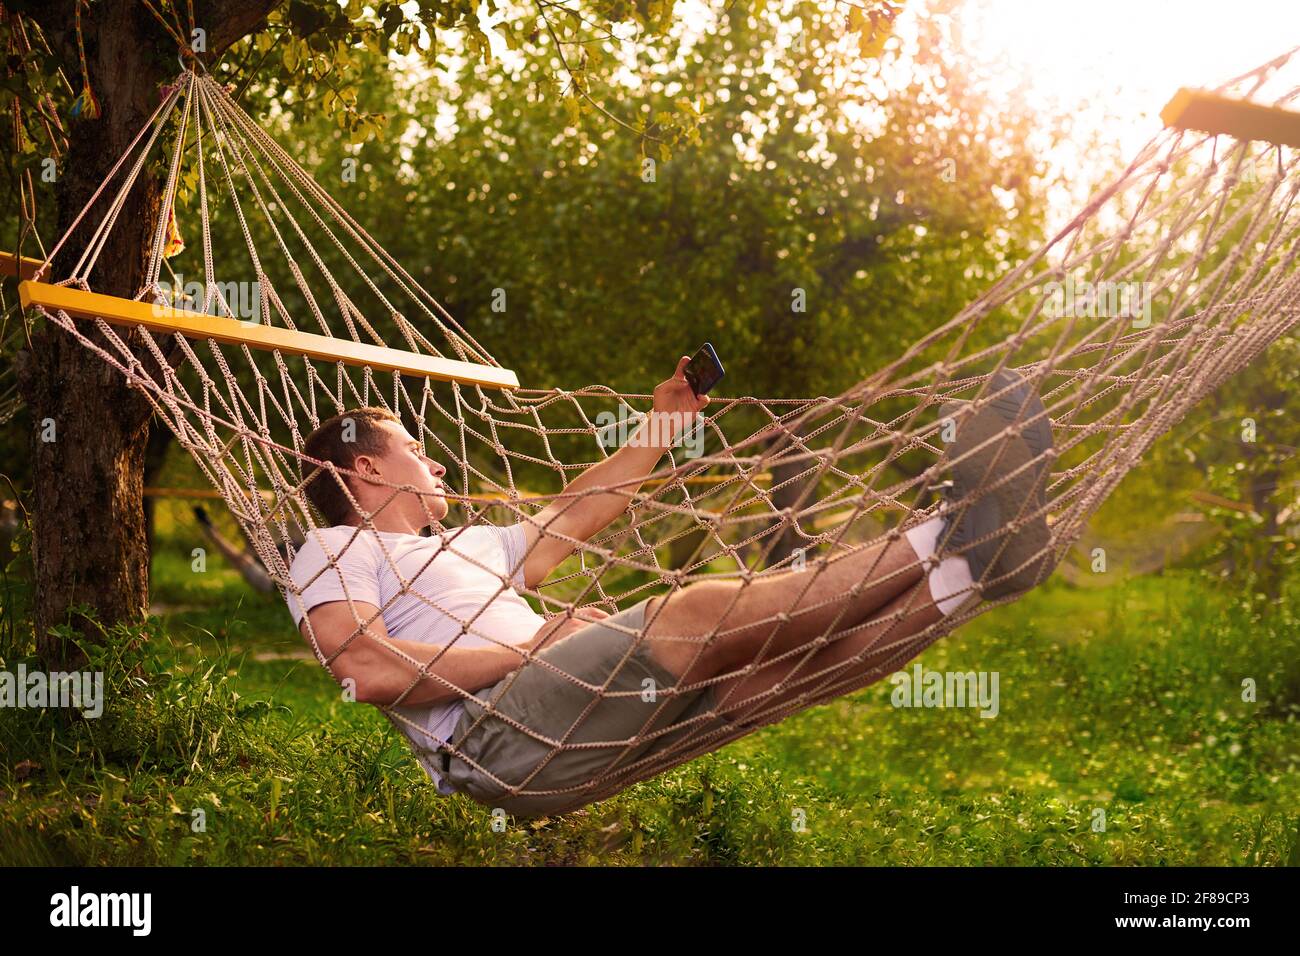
column 152, row 492
column 161, row 318
column 649, row 483
column 1211, row 113
column 23, row 267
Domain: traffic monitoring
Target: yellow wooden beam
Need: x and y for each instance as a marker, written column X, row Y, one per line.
column 1218, row 501
column 152, row 492
column 161, row 318
column 22, row 267
column 649, row 483
column 703, row 479
column 1211, row 113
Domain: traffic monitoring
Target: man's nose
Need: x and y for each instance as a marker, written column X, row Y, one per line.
column 438, row 469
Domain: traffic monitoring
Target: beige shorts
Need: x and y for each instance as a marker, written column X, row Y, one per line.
column 549, row 704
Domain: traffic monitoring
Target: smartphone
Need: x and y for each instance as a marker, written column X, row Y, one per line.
column 704, row 370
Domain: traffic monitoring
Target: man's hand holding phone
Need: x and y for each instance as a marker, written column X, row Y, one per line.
column 676, row 407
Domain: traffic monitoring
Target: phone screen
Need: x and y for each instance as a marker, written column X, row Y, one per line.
column 704, row 370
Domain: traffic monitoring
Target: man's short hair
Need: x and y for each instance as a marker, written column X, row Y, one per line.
column 342, row 440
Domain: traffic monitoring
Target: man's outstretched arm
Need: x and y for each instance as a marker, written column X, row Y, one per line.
column 579, row 516
column 381, row 677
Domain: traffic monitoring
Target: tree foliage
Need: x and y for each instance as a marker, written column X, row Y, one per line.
column 795, row 181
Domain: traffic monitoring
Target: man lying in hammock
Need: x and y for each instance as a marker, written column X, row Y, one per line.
column 350, row 580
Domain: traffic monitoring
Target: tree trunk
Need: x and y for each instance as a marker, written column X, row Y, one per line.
column 1262, row 488
column 89, row 532
column 789, row 340
column 788, row 497
column 155, row 457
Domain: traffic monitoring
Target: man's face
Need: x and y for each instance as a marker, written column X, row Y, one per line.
column 404, row 463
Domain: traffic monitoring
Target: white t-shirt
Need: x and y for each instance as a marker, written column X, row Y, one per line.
column 450, row 598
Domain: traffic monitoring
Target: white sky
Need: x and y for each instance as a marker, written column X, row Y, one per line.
column 1111, row 65
column 1129, row 54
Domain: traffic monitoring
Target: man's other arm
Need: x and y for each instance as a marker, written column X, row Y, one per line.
column 380, row 676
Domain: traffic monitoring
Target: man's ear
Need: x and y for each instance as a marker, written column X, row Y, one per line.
column 365, row 465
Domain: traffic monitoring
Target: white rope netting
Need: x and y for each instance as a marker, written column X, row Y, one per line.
column 1190, row 256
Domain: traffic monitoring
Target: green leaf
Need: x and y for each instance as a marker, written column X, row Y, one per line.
column 573, row 110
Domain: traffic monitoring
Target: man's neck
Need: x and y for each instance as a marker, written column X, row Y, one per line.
column 393, row 524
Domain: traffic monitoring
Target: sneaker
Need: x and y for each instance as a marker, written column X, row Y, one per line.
column 1005, row 563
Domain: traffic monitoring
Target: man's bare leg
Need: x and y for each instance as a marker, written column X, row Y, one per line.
column 738, row 629
column 850, row 588
column 848, row 659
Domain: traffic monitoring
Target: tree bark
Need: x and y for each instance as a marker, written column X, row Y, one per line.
column 89, row 545
column 789, row 338
column 155, row 457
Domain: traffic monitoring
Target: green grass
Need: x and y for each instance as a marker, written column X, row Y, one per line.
column 1124, row 700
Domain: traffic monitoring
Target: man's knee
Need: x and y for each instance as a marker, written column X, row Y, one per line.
column 694, row 609
column 688, row 618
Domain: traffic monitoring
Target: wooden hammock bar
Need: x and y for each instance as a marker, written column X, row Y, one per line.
column 206, row 493
column 1211, row 113
column 160, row 318
column 21, row 267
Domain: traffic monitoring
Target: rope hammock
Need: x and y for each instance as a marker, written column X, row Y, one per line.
column 1205, row 224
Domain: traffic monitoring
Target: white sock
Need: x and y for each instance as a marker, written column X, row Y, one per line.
column 950, row 579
